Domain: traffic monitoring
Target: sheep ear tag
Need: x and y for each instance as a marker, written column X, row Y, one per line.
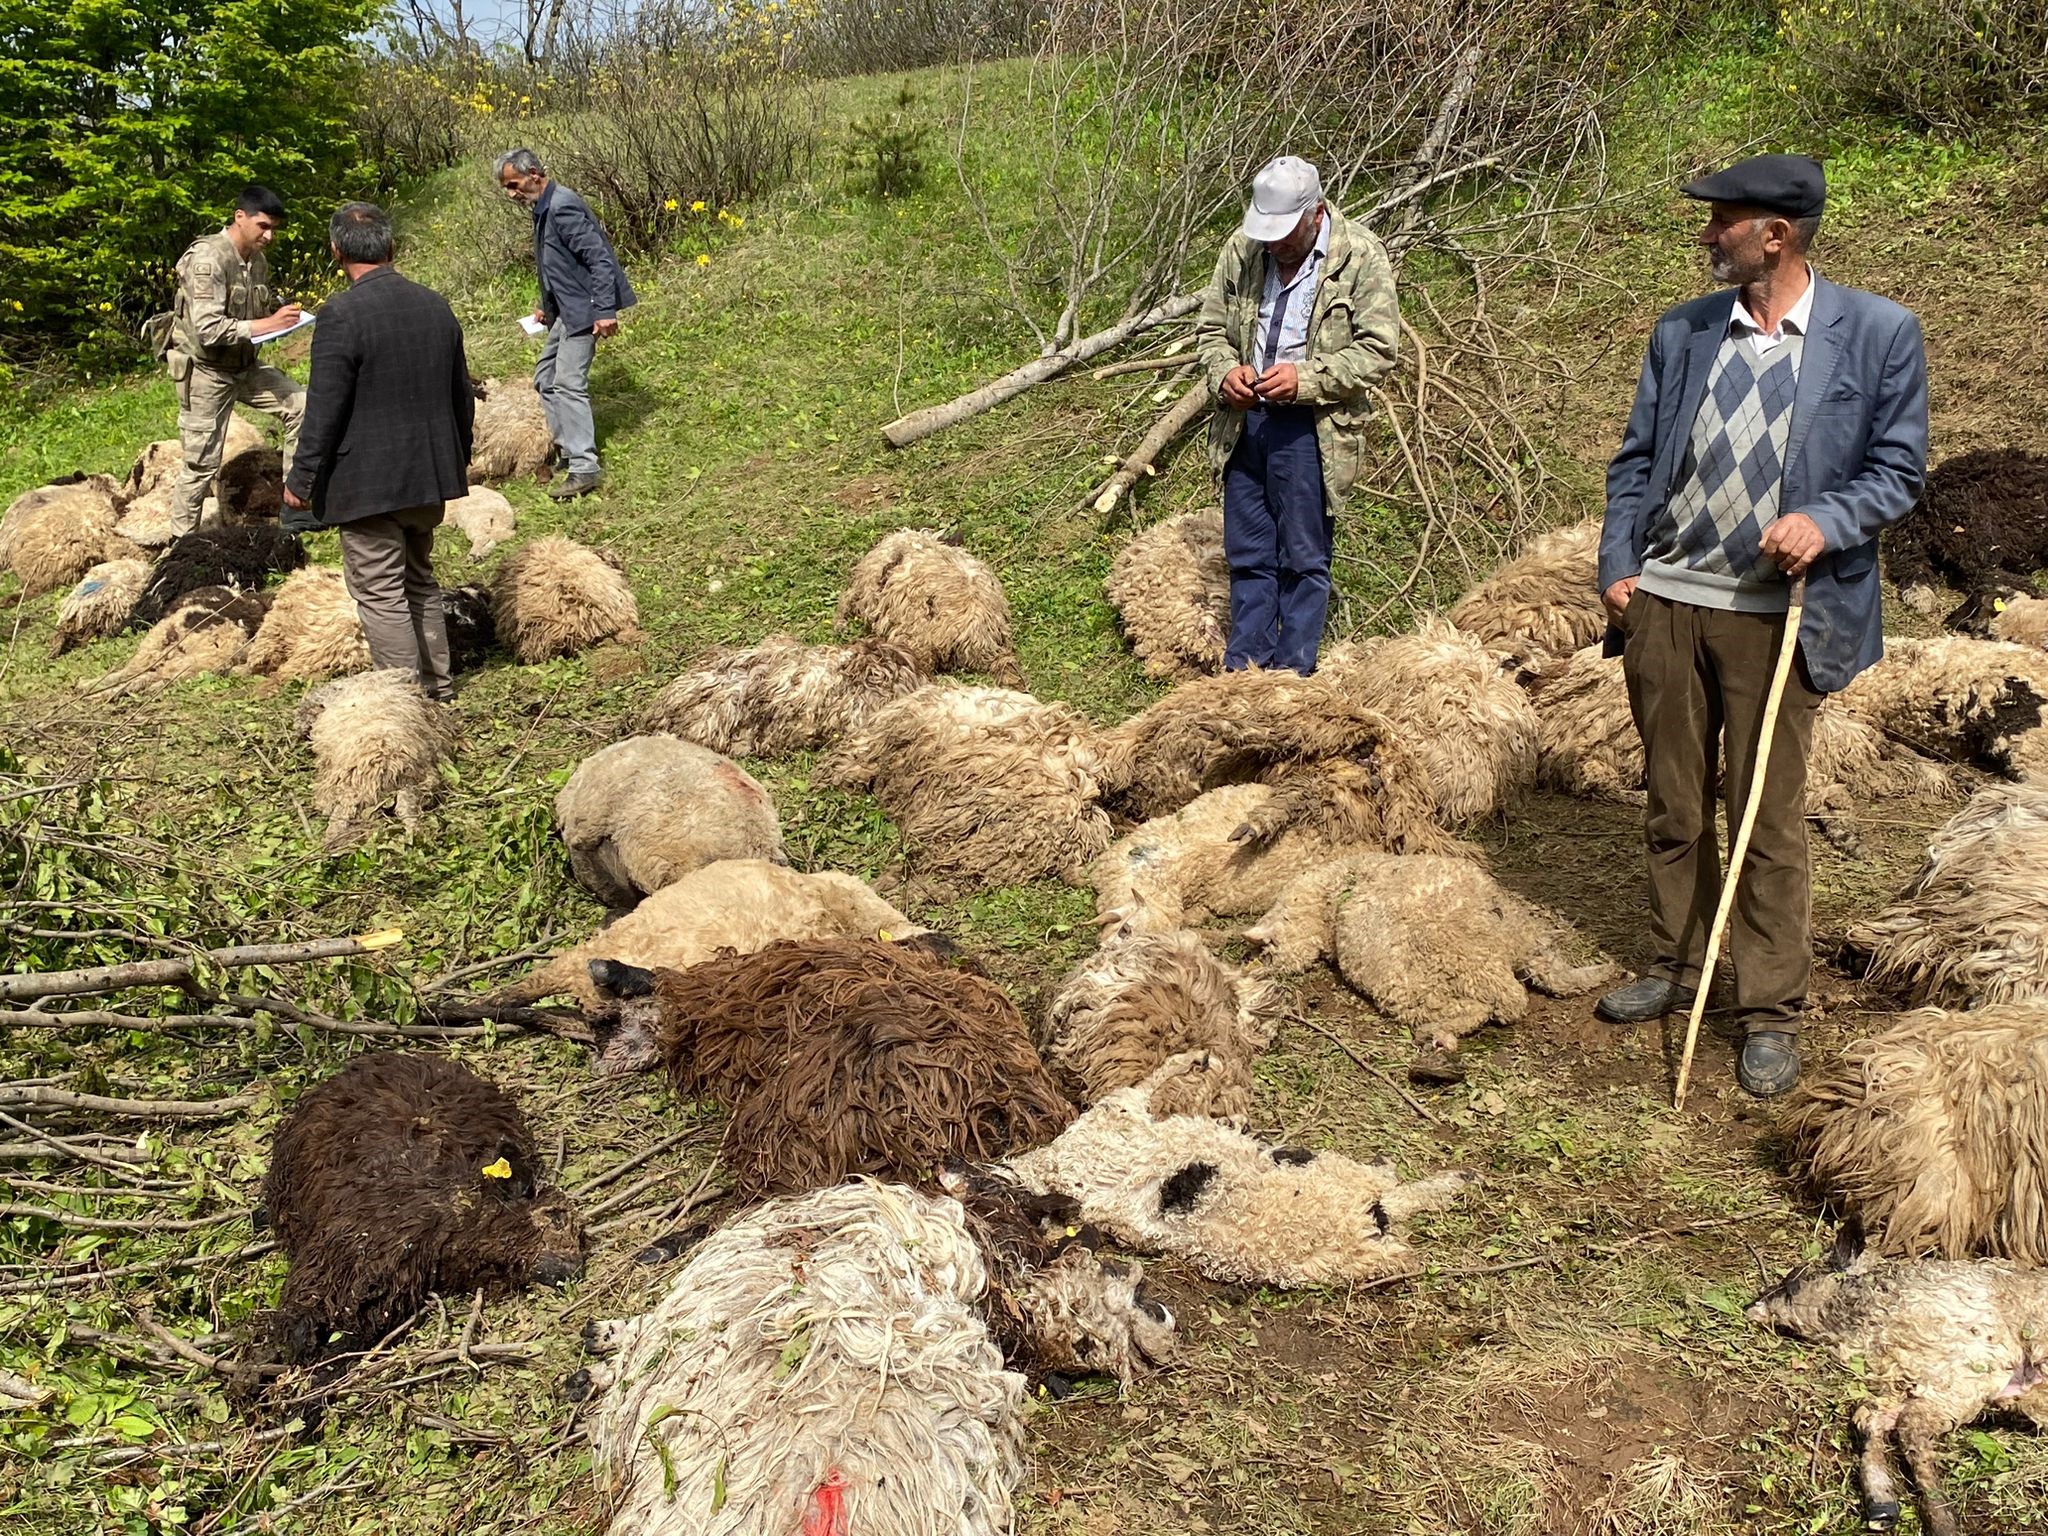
column 1998, row 605
column 501, row 1169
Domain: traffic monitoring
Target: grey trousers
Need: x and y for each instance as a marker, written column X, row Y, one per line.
column 388, row 563
column 562, row 376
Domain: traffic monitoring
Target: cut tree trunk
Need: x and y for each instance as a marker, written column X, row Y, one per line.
column 1189, row 408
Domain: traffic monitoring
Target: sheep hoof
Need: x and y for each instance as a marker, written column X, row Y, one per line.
column 577, row 1386
column 1881, row 1515
column 1437, row 1069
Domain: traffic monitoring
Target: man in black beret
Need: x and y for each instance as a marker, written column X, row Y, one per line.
column 1778, row 425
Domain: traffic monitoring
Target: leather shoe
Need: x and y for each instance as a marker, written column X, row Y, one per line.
column 1768, row 1064
column 574, row 486
column 1647, row 997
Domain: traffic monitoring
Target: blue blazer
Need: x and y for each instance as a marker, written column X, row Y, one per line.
column 1855, row 460
column 581, row 281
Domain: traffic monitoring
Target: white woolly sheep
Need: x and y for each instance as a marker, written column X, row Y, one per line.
column 987, row 785
column 1977, row 701
column 483, row 516
column 99, row 605
column 1140, row 999
column 511, row 435
column 1547, row 597
column 153, row 479
column 739, row 904
column 1237, row 1209
column 555, row 597
column 51, row 536
column 1934, row 1133
column 644, row 812
column 376, row 738
column 1171, row 587
column 1933, row 1345
column 1972, row 927
column 1435, row 943
column 311, row 632
column 782, row 695
column 935, row 600
column 207, row 630
column 2021, row 620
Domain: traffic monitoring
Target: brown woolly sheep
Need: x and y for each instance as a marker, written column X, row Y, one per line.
column 484, row 517
column 1934, row 1134
column 99, row 605
column 1975, row 701
column 205, row 631
column 1238, row 1210
column 644, row 812
column 938, row 602
column 51, row 536
column 1171, row 587
column 736, row 904
column 401, row 1175
column 1547, row 597
column 311, row 632
column 1140, row 999
column 1972, row 926
column 511, row 435
column 782, row 695
column 249, row 488
column 837, row 1057
column 555, row 597
column 1933, row 1345
column 1435, row 943
column 376, row 738
column 988, row 786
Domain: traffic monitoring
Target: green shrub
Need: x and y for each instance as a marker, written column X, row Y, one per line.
column 1961, row 65
column 885, row 152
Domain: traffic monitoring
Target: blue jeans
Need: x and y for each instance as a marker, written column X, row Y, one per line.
column 562, row 378
column 1276, row 540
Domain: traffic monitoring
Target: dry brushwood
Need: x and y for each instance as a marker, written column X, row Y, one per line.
column 100, row 604
column 555, row 597
column 312, row 631
column 1171, row 588
column 782, row 695
column 1546, row 598
column 928, row 595
column 376, row 738
column 206, row 631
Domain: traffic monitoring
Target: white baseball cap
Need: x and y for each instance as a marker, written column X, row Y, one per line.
column 1282, row 192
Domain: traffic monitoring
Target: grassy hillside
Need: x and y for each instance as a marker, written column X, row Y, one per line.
column 1576, row 1360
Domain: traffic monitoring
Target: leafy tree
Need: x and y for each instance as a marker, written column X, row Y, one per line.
column 128, row 126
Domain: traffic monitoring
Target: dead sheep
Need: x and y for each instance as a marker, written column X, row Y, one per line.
column 511, row 436
column 99, row 605
column 216, row 557
column 376, row 740
column 644, row 812
column 555, row 597
column 1240, row 1211
column 1138, row 1000
column 738, row 904
column 1547, row 597
column 312, row 631
column 472, row 632
column 248, row 491
column 1933, row 1345
column 836, row 1057
column 206, row 631
column 1437, row 944
column 1934, row 1133
column 484, row 517
column 1973, row 701
column 1972, row 926
column 51, row 536
column 1981, row 521
column 2020, row 620
column 782, row 695
column 153, row 480
column 987, row 785
column 1171, row 587
column 938, row 602
column 405, row 1174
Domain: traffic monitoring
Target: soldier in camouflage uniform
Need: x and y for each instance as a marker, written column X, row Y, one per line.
column 224, row 304
column 1297, row 323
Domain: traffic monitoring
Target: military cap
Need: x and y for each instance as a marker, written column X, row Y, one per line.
column 1792, row 185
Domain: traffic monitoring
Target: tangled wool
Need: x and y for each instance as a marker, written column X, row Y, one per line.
column 100, row 604
column 311, row 632
column 938, row 602
column 376, row 739
column 1546, row 598
column 1974, row 701
column 555, row 597
column 51, row 536
column 206, row 631
column 1171, row 587
column 782, row 695
column 511, row 435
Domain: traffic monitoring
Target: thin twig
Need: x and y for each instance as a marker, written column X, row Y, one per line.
column 1345, row 1046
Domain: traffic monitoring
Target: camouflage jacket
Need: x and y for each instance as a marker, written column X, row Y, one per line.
column 1353, row 330
column 218, row 295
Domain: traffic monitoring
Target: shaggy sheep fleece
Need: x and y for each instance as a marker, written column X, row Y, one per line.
column 1547, row 597
column 51, row 536
column 936, row 601
column 208, row 630
column 402, row 1174
column 511, row 435
column 1983, row 518
column 216, row 557
column 311, row 632
column 376, row 738
column 852, row 1056
column 555, row 597
column 1975, row 701
column 782, row 695
column 1171, row 587
column 99, row 605
column 644, row 812
column 1934, row 1133
column 249, row 489
column 2021, row 620
column 484, row 517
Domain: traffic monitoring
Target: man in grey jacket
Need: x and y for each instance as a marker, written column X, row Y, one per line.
column 582, row 290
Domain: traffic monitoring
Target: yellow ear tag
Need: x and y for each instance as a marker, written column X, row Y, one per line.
column 885, row 936
column 1998, row 605
column 501, row 1169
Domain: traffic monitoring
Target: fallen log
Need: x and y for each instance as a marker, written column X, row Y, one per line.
column 31, row 985
column 1185, row 412
column 36, row 1096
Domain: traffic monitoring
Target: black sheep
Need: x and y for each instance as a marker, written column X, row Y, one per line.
column 215, row 557
column 400, row 1175
column 250, row 487
column 1981, row 523
column 472, row 632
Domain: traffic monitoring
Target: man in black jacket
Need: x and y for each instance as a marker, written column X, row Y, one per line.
column 582, row 290
column 385, row 442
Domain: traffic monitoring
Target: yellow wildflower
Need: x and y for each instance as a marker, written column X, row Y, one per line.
column 697, row 206
column 671, row 205
column 703, row 260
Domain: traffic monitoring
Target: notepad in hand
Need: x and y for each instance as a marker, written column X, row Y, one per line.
column 306, row 318
column 533, row 327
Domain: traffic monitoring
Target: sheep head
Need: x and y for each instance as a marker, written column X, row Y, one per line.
column 1800, row 1303
column 628, row 1021
column 1091, row 1315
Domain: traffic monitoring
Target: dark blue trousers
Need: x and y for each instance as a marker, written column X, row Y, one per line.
column 1276, row 539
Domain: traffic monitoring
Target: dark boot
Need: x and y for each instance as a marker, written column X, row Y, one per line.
column 1647, row 997
column 1768, row 1064
column 574, row 486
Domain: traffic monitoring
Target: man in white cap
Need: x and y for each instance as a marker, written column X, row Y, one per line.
column 1298, row 321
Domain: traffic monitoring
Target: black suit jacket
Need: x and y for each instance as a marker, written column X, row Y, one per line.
column 389, row 412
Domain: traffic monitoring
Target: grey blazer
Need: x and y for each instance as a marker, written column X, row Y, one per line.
column 1855, row 461
column 581, row 281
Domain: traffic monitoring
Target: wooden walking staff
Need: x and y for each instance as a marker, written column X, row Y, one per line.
column 1739, row 851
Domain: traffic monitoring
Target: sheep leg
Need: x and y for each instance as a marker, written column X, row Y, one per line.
column 1551, row 973
column 1430, row 1194
column 1875, row 1471
column 1921, row 1426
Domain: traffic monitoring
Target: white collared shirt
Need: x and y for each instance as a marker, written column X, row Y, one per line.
column 1298, row 297
column 1743, row 324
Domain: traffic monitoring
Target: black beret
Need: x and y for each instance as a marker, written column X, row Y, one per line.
column 1793, row 185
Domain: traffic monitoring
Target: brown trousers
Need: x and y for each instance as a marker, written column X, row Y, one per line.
column 1697, row 681
column 388, row 564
